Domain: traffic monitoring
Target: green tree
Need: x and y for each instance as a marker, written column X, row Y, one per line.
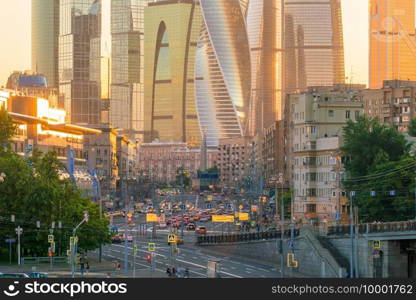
column 7, row 127
column 368, row 144
column 37, row 192
column 387, row 194
column 183, row 178
column 377, row 162
column 412, row 128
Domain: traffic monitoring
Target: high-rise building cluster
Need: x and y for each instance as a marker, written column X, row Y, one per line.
column 255, row 88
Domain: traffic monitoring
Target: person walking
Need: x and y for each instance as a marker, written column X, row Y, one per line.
column 87, row 267
column 82, row 268
column 169, row 272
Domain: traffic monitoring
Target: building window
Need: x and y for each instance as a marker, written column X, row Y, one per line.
column 347, row 114
column 357, row 114
column 311, row 208
column 331, row 113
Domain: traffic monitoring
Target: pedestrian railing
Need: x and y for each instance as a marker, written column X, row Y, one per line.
column 374, row 228
column 44, row 260
column 243, row 237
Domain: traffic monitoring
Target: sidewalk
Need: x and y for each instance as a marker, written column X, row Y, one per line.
column 97, row 270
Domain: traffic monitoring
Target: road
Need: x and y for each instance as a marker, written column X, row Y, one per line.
column 191, row 257
column 195, row 260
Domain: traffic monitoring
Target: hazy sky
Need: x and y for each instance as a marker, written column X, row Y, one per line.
column 15, row 38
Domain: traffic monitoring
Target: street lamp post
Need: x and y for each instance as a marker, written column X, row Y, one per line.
column 19, row 232
column 84, row 220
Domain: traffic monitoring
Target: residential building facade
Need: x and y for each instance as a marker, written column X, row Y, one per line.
column 393, row 104
column 161, row 161
column 315, row 130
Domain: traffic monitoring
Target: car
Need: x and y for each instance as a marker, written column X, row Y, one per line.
column 178, row 240
column 38, row 275
column 191, row 226
column 204, row 219
column 162, row 225
column 13, row 275
column 201, row 230
column 129, row 238
column 197, row 218
column 116, row 239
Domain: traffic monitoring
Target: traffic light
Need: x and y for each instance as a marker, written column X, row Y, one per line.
column 149, row 258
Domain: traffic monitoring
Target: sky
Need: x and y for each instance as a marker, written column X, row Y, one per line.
column 15, row 46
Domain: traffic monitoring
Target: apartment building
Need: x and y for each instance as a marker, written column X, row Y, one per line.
column 315, row 128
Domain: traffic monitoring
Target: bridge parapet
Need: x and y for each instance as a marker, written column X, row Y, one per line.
column 369, row 228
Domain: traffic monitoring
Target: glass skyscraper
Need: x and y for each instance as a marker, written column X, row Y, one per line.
column 223, row 70
column 45, row 37
column 264, row 26
column 392, row 41
column 80, row 60
column 172, row 30
column 127, row 88
column 314, row 49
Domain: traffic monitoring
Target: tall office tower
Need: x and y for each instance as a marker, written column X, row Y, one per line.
column 127, row 87
column 392, row 41
column 45, row 39
column 313, row 44
column 222, row 71
column 264, row 27
column 80, row 59
column 172, row 28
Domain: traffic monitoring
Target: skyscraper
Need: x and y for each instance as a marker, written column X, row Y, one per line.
column 45, row 37
column 172, row 29
column 264, row 27
column 80, row 59
column 392, row 41
column 222, row 71
column 127, row 88
column 313, row 44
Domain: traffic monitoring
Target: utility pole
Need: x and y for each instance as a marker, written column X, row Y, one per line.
column 352, row 194
column 74, row 246
column 19, row 232
column 126, row 255
column 356, row 242
column 282, row 233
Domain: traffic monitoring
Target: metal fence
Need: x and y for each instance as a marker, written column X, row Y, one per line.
column 44, row 260
column 243, row 237
column 374, row 227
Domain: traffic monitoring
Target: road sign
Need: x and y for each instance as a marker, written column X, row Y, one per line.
column 10, row 241
column 241, row 207
column 53, row 247
column 209, row 198
column 291, row 262
column 243, row 216
column 50, row 238
column 152, row 247
column 151, row 218
column 376, row 244
column 222, row 219
column 171, row 238
column 291, row 244
column 254, row 208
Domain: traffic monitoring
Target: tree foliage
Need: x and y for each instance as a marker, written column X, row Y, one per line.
column 34, row 190
column 7, row 127
column 367, row 143
column 380, row 171
column 412, row 128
